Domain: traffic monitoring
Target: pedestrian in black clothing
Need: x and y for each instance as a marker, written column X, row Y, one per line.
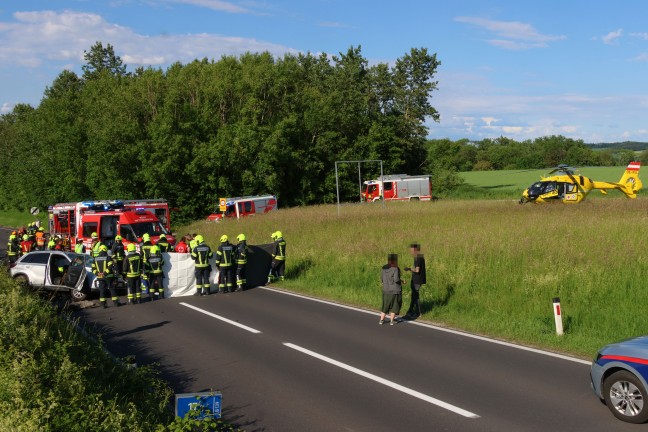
column 418, row 280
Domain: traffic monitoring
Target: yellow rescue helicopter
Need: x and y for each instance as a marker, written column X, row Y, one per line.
column 563, row 184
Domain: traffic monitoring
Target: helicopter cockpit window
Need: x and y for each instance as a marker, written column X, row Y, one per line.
column 571, row 188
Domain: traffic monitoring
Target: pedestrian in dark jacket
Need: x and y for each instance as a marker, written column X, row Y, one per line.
column 392, row 289
column 418, row 280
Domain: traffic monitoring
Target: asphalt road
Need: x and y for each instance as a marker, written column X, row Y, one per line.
column 302, row 365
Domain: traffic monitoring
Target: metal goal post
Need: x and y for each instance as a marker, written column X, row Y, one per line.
column 359, row 162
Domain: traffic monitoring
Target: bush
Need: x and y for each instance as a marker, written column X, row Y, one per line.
column 54, row 379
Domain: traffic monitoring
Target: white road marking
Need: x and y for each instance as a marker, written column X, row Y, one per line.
column 218, row 317
column 443, row 329
column 385, row 382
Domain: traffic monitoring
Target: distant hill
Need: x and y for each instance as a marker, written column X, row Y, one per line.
column 629, row 145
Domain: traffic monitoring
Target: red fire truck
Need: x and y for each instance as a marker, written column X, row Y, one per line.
column 107, row 219
column 398, row 187
column 243, row 206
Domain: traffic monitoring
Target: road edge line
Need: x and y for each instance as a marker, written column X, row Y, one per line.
column 439, row 328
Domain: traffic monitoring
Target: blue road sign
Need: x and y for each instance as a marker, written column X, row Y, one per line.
column 209, row 404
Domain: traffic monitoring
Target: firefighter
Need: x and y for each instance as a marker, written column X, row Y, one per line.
column 225, row 264
column 104, row 268
column 79, row 247
column 51, row 244
column 118, row 253
column 26, row 245
column 192, row 241
column 40, row 239
column 241, row 261
column 132, row 269
column 278, row 266
column 201, row 254
column 13, row 248
column 96, row 244
column 31, row 231
column 156, row 276
column 163, row 244
column 145, row 250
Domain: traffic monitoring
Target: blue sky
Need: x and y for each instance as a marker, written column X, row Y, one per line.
column 514, row 68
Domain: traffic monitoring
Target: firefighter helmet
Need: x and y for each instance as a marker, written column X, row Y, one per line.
column 278, row 235
column 41, row 229
column 118, row 237
column 13, row 233
column 131, row 247
column 25, row 237
column 273, row 236
column 241, row 237
column 103, row 248
column 94, row 235
column 162, row 236
column 224, row 238
column 199, row 239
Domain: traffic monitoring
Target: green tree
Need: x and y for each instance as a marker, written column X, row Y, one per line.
column 99, row 59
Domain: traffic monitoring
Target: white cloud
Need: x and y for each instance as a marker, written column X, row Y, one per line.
column 643, row 35
column 333, row 24
column 217, row 5
column 642, row 57
column 6, row 108
column 611, row 38
column 513, row 35
column 472, row 107
column 37, row 37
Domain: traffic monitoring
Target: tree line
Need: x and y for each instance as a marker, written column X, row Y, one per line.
column 240, row 125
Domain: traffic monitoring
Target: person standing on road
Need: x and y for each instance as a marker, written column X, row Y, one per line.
column 241, row 261
column 182, row 246
column 156, row 275
column 95, row 245
column 225, row 264
column 164, row 244
column 13, row 248
column 201, row 255
column 278, row 266
column 104, row 268
column 40, row 239
column 79, row 247
column 26, row 245
column 419, row 279
column 132, row 269
column 392, row 290
column 145, row 250
column 118, row 254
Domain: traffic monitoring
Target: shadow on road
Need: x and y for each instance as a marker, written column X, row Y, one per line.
column 140, row 329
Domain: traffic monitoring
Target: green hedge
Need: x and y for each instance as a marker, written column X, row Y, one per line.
column 52, row 378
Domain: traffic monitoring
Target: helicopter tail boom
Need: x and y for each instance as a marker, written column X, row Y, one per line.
column 630, row 182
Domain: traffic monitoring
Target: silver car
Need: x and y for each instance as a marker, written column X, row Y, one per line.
column 54, row 271
column 619, row 377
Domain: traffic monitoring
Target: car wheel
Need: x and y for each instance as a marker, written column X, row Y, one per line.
column 626, row 397
column 78, row 295
column 22, row 280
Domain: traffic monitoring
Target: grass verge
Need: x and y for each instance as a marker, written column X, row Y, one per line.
column 54, row 379
column 493, row 267
column 16, row 219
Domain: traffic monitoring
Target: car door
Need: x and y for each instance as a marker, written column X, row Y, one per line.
column 66, row 271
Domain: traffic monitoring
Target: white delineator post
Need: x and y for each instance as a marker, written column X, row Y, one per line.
column 558, row 316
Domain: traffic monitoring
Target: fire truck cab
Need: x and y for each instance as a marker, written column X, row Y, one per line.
column 243, row 206
column 159, row 207
column 398, row 187
column 107, row 219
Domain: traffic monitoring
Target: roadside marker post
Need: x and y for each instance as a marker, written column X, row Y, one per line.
column 558, row 316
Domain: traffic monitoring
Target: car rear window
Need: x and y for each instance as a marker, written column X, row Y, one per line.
column 35, row 258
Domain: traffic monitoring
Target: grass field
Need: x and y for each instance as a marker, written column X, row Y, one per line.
column 493, row 266
column 15, row 218
column 510, row 184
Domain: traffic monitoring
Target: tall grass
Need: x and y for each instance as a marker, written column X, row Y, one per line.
column 493, row 267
